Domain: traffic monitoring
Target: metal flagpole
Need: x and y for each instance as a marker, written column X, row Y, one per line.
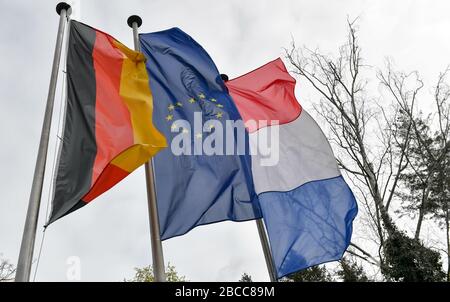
column 29, row 233
column 266, row 249
column 262, row 234
column 157, row 251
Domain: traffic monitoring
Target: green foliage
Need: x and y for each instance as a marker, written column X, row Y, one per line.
column 311, row 274
column 408, row 260
column 426, row 180
column 427, row 169
column 7, row 270
column 145, row 274
column 246, row 278
column 350, row 271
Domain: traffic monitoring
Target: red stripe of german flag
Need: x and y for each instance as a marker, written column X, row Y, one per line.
column 108, row 129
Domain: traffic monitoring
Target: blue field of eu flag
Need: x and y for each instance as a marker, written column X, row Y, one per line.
column 193, row 190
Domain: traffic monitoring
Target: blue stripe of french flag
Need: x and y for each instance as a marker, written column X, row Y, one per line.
column 307, row 206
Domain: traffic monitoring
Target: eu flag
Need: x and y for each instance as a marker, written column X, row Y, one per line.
column 196, row 189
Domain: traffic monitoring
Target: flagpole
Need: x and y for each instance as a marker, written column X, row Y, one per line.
column 266, row 249
column 157, row 252
column 262, row 234
column 29, row 233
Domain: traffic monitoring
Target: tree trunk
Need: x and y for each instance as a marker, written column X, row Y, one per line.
column 447, row 224
column 425, row 194
column 419, row 223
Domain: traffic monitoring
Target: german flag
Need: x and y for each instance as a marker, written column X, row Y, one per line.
column 108, row 129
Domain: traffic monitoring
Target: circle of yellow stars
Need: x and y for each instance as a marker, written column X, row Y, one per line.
column 201, row 97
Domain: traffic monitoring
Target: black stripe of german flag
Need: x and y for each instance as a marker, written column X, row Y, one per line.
column 108, row 130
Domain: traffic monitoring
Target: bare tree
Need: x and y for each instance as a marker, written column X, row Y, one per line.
column 428, row 173
column 429, row 160
column 371, row 145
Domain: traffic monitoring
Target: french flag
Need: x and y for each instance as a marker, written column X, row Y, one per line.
column 308, row 208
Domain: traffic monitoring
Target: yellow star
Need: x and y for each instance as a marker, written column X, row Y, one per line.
column 169, row 117
column 201, row 95
column 171, row 107
column 191, row 100
column 219, row 114
column 213, row 100
column 219, row 105
column 185, row 131
column 179, row 104
column 198, row 135
column 174, row 127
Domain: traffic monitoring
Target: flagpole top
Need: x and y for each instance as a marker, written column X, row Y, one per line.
column 63, row 5
column 134, row 18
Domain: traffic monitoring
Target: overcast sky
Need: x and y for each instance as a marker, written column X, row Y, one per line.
column 111, row 235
